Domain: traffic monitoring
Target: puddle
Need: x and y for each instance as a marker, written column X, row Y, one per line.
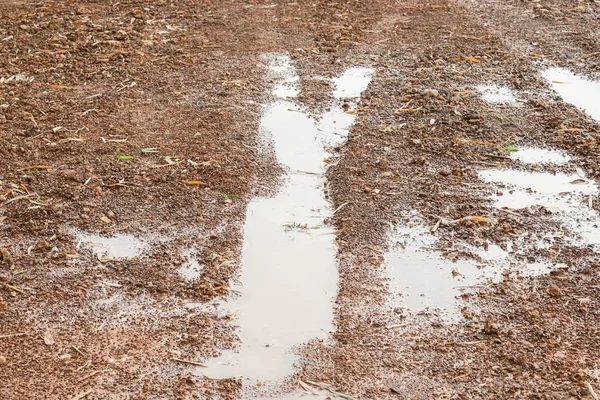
column 566, row 196
column 289, row 271
column 352, row 83
column 191, row 269
column 118, row 246
column 497, row 94
column 525, row 189
column 424, row 280
column 581, row 92
column 531, row 155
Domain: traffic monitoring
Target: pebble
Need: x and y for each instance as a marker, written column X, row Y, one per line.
column 431, row 93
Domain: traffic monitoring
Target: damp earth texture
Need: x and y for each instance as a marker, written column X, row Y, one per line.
column 299, row 200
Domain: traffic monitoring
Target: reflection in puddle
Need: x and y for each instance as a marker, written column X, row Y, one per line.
column 582, row 93
column 566, row 196
column 531, row 155
column 497, row 94
column 289, row 272
column 117, row 246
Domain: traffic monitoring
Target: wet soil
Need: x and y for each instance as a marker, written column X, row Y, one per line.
column 130, row 149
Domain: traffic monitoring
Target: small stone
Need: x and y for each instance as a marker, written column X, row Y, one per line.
column 4, row 255
column 2, row 360
column 554, row 290
column 430, row 93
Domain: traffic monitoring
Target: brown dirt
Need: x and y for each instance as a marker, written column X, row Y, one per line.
column 187, row 78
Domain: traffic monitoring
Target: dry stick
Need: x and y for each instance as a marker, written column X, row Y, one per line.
column 339, row 208
column 81, row 353
column 16, row 289
column 90, row 375
column 189, row 362
column 496, row 156
column 13, row 335
column 591, row 390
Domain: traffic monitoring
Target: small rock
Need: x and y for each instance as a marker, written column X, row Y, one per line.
column 2, row 360
column 554, row 290
column 4, row 255
column 490, row 327
column 430, row 93
column 444, row 172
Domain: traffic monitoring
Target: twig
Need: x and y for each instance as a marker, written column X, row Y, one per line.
column 189, row 362
column 591, row 390
column 89, row 376
column 16, row 289
column 13, row 335
column 496, row 156
column 81, row 353
column 339, row 208
column 509, row 211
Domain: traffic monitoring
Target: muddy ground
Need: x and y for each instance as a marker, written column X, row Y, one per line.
column 142, row 119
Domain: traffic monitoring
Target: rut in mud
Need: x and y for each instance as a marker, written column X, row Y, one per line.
column 361, row 200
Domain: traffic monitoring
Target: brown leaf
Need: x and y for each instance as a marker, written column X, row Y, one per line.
column 48, row 339
column 194, row 183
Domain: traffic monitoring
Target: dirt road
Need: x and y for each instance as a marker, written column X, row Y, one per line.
column 325, row 199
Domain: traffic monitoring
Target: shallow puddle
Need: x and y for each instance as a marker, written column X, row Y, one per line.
column 191, row 269
column 425, row 281
column 581, row 92
column 422, row 277
column 567, row 196
column 497, row 94
column 115, row 247
column 531, row 155
column 289, row 271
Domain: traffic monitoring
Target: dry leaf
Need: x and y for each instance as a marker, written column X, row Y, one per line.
column 194, row 183
column 473, row 59
column 479, row 219
column 48, row 339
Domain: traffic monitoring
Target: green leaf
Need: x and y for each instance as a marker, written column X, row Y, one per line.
column 230, row 196
column 124, row 158
column 150, row 150
column 500, row 116
column 508, row 148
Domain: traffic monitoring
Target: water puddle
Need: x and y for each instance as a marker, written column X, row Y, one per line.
column 531, row 155
column 119, row 246
column 191, row 269
column 497, row 94
column 289, row 272
column 567, row 196
column 423, row 278
column 581, row 92
column 426, row 281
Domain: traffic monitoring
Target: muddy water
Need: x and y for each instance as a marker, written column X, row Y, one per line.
column 289, row 273
column 581, row 92
column 119, row 246
column 567, row 196
column 531, row 155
